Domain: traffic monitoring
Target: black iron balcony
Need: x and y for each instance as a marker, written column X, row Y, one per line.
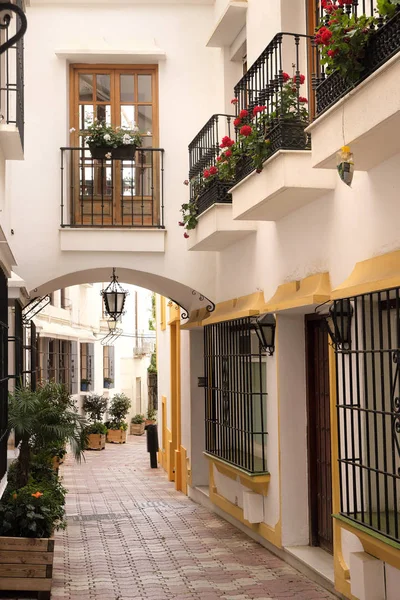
column 12, row 72
column 382, row 45
column 279, row 80
column 203, row 153
column 112, row 193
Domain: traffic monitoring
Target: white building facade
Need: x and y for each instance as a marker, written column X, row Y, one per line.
column 308, row 429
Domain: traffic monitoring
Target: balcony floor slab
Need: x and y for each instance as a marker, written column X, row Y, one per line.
column 367, row 119
column 116, row 239
column 286, row 183
column 216, row 229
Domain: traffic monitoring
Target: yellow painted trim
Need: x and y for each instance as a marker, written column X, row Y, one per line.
column 341, row 569
column 174, row 313
column 373, row 546
column 197, row 318
column 184, row 470
column 163, row 317
column 271, row 534
column 314, row 289
column 372, row 275
column 256, row 483
column 237, row 308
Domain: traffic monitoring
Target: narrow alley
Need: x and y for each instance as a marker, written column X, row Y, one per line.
column 130, row 534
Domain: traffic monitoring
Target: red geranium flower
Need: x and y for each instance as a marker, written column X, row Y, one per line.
column 185, row 235
column 333, row 53
column 228, row 153
column 234, row 101
column 219, row 158
column 213, row 170
column 246, row 130
column 303, row 100
column 258, row 109
column 299, row 78
column 226, row 142
column 286, row 77
column 237, row 122
column 206, row 173
column 243, row 114
column 181, row 224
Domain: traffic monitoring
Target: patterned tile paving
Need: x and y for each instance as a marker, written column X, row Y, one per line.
column 131, row 535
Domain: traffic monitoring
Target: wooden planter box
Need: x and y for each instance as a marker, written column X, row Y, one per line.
column 26, row 564
column 96, row 441
column 137, row 429
column 116, row 436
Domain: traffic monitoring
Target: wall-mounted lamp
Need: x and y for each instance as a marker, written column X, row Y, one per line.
column 202, row 382
column 112, row 325
column 265, row 329
column 339, row 323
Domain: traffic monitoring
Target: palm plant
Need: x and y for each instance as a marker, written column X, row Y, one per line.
column 42, row 419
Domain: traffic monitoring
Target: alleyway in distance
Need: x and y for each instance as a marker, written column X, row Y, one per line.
column 131, row 535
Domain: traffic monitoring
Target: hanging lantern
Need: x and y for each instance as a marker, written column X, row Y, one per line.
column 345, row 165
column 112, row 325
column 265, row 329
column 114, row 297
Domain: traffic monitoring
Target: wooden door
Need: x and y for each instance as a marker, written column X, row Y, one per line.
column 319, row 434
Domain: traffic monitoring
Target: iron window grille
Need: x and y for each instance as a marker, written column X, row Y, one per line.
column 12, row 77
column 3, row 373
column 112, row 193
column 235, row 395
column 368, row 407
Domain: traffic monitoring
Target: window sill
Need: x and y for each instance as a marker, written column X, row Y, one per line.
column 378, row 541
column 257, row 482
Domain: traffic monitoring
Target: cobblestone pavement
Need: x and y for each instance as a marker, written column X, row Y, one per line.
column 130, row 535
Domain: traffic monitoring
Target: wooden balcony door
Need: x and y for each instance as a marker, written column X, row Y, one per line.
column 113, row 192
column 319, row 434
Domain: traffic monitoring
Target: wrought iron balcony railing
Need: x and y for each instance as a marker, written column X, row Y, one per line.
column 112, row 193
column 12, row 71
column 279, row 80
column 383, row 44
column 204, row 150
column 144, row 344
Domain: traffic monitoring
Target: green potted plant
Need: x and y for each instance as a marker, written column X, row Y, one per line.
column 117, row 426
column 95, row 406
column 137, row 425
column 108, row 382
column 85, row 384
column 151, row 416
column 106, row 141
column 32, row 506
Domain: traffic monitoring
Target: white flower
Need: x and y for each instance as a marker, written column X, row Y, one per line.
column 127, row 139
column 72, row 129
column 107, row 137
column 108, row 155
column 135, row 129
column 149, row 133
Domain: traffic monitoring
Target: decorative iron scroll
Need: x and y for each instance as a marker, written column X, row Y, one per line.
column 211, row 306
column 396, row 406
column 5, row 20
column 185, row 313
column 33, row 308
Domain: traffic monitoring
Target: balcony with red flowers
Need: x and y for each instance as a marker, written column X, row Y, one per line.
column 208, row 214
column 274, row 174
column 357, row 82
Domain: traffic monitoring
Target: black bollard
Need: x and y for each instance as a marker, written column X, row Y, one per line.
column 152, row 444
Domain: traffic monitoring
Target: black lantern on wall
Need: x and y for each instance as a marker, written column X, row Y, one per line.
column 339, row 323
column 114, row 297
column 265, row 329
